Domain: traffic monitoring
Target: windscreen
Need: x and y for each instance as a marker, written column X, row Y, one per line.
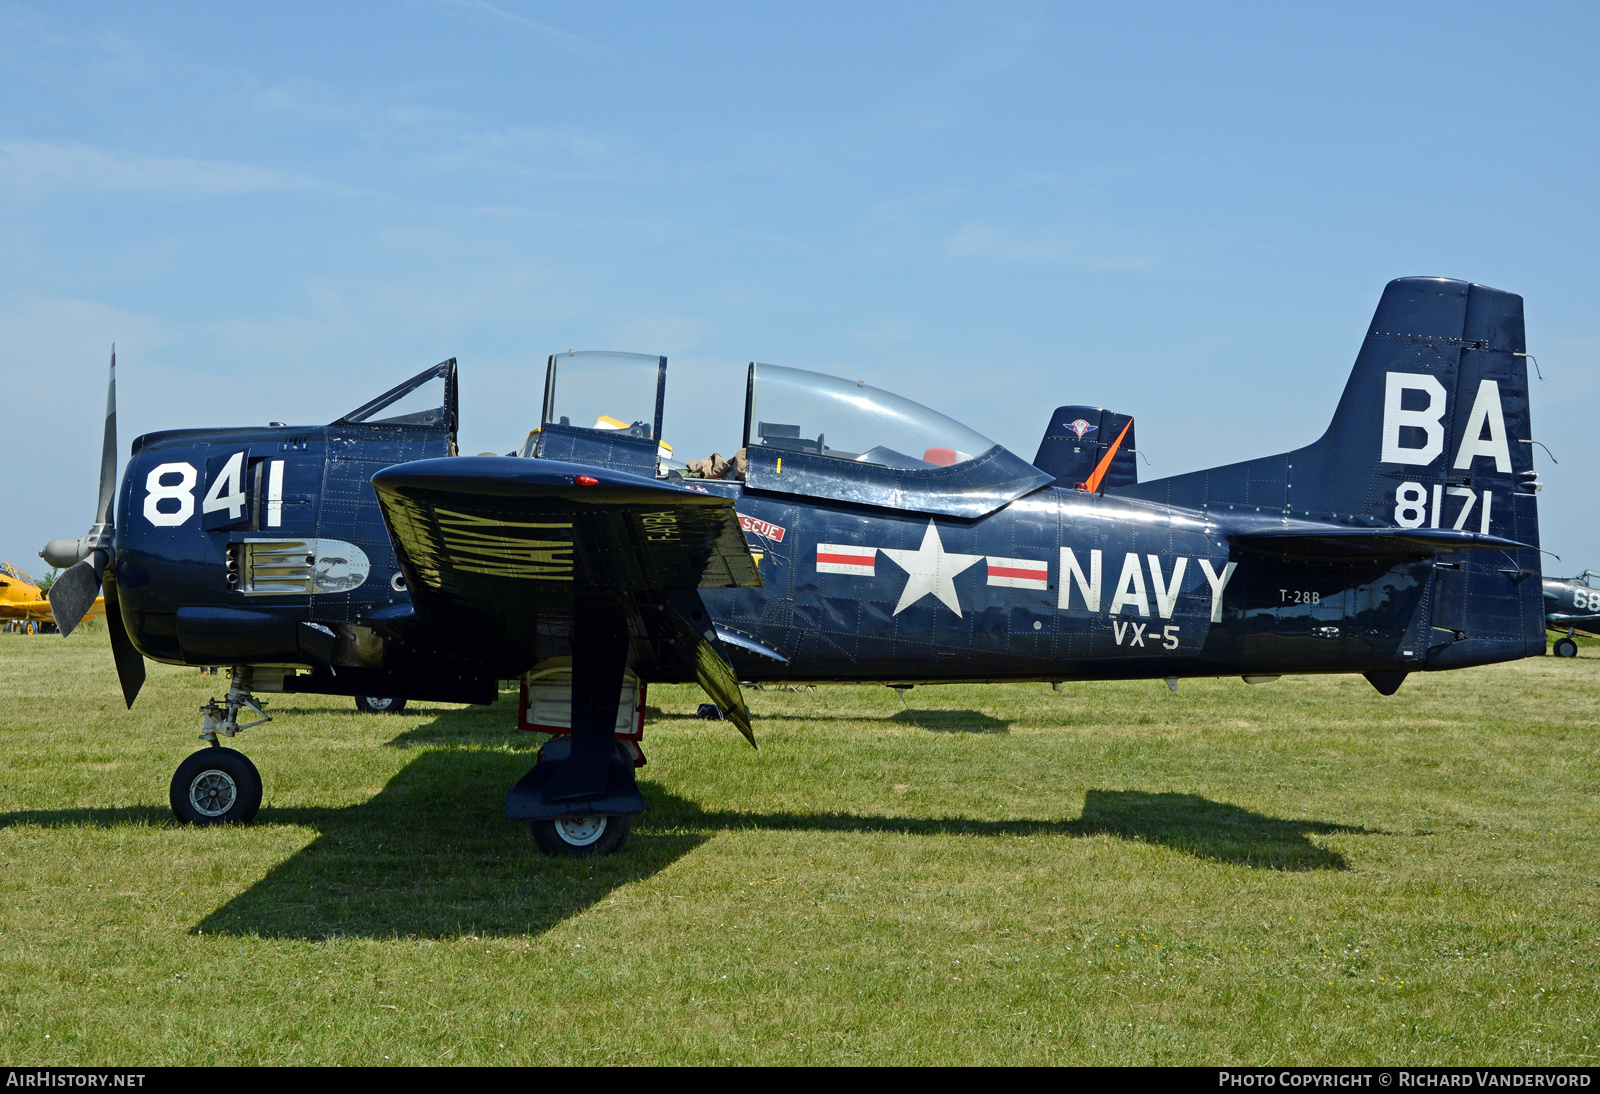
column 423, row 400
column 799, row 411
column 610, row 391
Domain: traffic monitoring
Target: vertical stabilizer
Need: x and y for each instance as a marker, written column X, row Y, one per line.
column 1081, row 442
column 1432, row 431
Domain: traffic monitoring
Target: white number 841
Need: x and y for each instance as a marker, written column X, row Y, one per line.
column 227, row 492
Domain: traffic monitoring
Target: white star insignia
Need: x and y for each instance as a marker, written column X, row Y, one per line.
column 929, row 569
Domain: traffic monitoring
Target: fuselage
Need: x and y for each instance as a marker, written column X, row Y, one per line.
column 1572, row 603
column 1065, row 584
column 1058, row 584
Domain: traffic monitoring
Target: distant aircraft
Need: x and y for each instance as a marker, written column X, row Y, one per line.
column 1572, row 604
column 21, row 601
column 870, row 539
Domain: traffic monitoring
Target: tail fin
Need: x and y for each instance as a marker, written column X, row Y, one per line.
column 1432, row 431
column 1089, row 447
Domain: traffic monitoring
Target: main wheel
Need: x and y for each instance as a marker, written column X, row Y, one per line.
column 216, row 786
column 582, row 835
column 1566, row 647
column 372, row 704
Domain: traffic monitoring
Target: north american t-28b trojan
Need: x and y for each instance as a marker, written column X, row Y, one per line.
column 868, row 539
column 1572, row 604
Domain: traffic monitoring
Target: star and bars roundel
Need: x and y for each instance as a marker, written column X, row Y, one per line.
column 930, row 569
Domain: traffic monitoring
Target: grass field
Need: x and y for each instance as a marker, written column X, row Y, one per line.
column 1302, row 872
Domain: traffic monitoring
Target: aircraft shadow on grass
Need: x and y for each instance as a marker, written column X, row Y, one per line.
column 431, row 856
column 938, row 721
column 951, row 721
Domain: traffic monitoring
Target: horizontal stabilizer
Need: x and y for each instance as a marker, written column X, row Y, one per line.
column 1323, row 542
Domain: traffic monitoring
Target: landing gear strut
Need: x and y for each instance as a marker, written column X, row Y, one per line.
column 219, row 785
column 581, row 795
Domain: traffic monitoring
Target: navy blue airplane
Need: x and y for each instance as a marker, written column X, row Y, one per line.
column 1572, row 604
column 856, row 536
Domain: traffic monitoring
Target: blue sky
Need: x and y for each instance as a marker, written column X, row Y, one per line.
column 1185, row 212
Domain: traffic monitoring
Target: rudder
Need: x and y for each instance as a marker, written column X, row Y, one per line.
column 1086, row 445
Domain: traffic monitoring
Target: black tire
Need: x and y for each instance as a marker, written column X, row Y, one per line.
column 1566, row 647
column 710, row 712
column 375, row 704
column 216, row 786
column 574, row 836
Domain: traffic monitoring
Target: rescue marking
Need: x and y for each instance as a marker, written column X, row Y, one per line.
column 764, row 529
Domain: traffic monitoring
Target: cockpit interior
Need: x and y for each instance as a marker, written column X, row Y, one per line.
column 595, row 399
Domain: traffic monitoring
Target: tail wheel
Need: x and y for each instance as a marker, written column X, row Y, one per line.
column 216, row 786
column 582, row 835
column 1566, row 647
column 373, row 704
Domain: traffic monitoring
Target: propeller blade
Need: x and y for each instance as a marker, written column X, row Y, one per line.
column 73, row 592
column 130, row 662
column 108, row 450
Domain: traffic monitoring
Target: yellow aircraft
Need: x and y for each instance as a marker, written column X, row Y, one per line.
column 22, row 602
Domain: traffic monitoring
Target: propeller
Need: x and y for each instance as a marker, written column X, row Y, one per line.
column 88, row 558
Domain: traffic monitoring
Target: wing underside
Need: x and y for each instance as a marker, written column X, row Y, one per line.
column 500, row 554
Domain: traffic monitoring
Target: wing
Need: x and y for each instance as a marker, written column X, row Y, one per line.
column 39, row 610
column 499, row 553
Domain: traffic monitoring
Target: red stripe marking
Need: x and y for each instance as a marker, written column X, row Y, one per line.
column 1012, row 571
column 848, row 560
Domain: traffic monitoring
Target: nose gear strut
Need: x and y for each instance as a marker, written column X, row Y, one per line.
column 222, row 719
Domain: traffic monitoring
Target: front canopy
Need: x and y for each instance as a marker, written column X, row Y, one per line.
column 827, row 437
column 797, row 411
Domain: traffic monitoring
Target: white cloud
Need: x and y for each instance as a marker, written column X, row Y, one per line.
column 558, row 38
column 37, row 168
column 1089, row 250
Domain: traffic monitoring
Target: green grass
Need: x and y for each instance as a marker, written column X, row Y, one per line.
column 1302, row 872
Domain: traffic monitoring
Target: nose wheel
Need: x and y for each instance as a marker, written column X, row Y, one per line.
column 216, row 786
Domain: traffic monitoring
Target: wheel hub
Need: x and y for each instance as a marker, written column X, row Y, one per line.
column 580, row 831
column 213, row 793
